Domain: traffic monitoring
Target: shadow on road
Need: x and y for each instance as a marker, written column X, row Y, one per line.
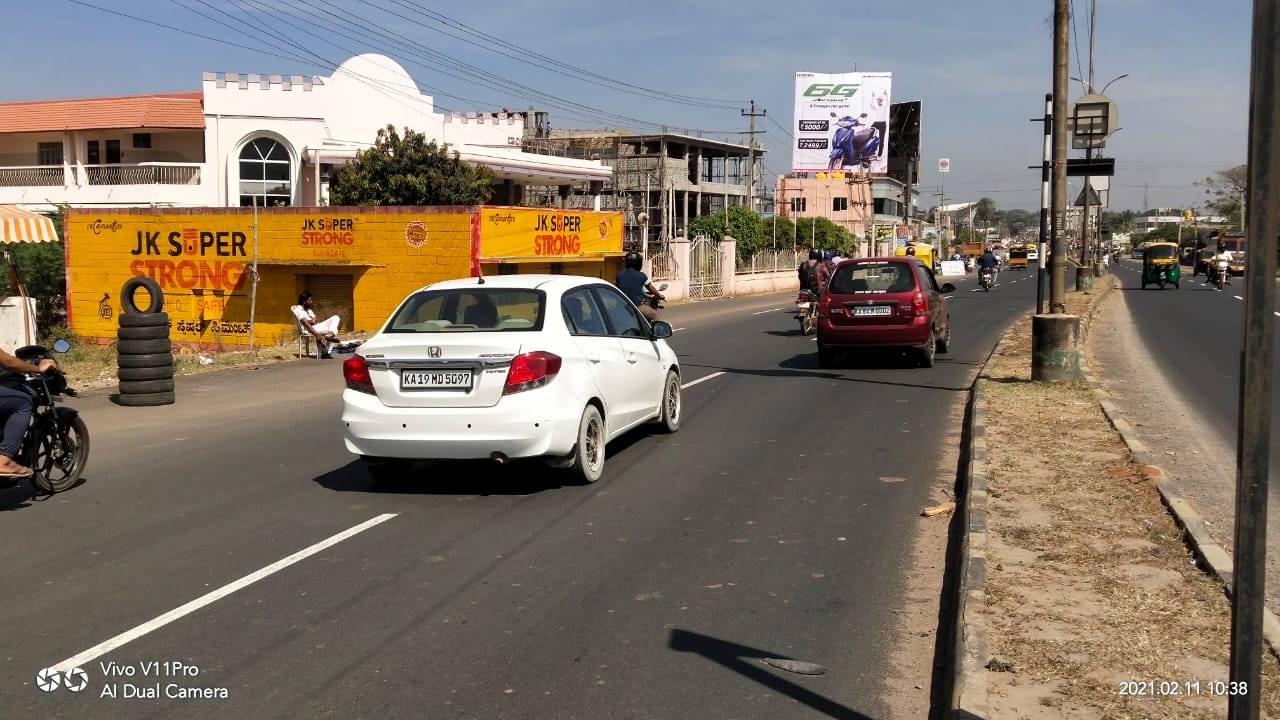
column 26, row 494
column 744, row 661
column 806, row 366
column 480, row 478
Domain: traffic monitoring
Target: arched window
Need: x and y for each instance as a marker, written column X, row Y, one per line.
column 264, row 173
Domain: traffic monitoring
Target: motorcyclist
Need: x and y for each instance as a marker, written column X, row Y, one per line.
column 1223, row 255
column 814, row 273
column 989, row 261
column 634, row 283
column 15, row 407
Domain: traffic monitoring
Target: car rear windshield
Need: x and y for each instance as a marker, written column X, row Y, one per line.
column 470, row 310
column 872, row 277
column 1162, row 252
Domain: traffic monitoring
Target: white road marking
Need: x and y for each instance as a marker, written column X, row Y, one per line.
column 766, row 311
column 677, row 330
column 702, row 379
column 1237, row 297
column 155, row 624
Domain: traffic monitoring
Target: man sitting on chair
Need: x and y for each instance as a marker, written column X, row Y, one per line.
column 325, row 331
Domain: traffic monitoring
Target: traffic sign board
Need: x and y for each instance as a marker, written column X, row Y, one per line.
column 944, row 165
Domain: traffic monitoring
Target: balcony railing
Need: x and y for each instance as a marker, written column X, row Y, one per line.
column 32, row 176
column 153, row 173
column 156, row 173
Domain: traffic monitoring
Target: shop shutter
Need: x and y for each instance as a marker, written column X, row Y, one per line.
column 334, row 295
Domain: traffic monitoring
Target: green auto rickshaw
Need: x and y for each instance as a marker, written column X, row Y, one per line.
column 1160, row 265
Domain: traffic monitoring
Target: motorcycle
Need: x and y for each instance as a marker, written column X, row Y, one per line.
column 986, row 279
column 1221, row 274
column 652, row 300
column 56, row 444
column 807, row 312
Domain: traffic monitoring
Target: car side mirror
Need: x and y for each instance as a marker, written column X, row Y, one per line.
column 61, row 345
column 662, row 287
column 661, row 330
column 948, row 288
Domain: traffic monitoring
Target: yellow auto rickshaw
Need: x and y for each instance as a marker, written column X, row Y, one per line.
column 1160, row 264
column 1018, row 257
column 922, row 252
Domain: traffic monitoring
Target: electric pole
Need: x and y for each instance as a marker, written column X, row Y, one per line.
column 1058, row 258
column 751, row 154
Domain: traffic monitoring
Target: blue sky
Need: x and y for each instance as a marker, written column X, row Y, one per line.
column 980, row 68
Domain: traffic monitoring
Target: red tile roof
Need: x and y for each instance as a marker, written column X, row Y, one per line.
column 165, row 110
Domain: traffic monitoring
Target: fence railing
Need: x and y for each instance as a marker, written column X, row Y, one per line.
column 767, row 261
column 143, row 174
column 33, row 176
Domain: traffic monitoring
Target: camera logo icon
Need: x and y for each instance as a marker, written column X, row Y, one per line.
column 49, row 679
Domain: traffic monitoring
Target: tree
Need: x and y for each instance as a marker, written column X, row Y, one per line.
column 1225, row 189
column 408, row 170
column 986, row 211
column 1019, row 221
column 825, row 235
column 739, row 222
column 1118, row 221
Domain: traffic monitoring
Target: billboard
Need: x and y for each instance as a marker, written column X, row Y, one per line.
column 841, row 121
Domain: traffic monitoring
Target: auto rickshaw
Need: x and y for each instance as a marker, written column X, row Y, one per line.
column 1204, row 261
column 1018, row 257
column 1160, row 265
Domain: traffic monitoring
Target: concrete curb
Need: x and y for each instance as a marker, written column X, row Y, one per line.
column 1207, row 551
column 969, row 683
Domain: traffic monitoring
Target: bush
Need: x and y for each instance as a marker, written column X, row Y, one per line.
column 41, row 267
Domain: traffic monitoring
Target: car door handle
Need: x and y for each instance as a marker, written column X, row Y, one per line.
column 631, row 358
column 593, row 360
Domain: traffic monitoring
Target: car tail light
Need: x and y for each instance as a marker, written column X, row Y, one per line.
column 824, row 306
column 920, row 304
column 356, row 372
column 531, row 370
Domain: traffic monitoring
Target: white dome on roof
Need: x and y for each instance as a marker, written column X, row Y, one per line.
column 375, row 68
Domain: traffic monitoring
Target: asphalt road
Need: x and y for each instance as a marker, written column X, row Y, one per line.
column 761, row 529
column 1196, row 333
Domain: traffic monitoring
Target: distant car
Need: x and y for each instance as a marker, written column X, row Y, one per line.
column 520, row 366
column 884, row 303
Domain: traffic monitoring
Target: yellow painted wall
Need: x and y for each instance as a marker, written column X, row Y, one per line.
column 199, row 257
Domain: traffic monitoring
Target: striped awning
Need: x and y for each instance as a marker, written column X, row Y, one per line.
column 18, row 225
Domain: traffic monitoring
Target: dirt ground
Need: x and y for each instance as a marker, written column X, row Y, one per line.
column 1095, row 607
column 90, row 366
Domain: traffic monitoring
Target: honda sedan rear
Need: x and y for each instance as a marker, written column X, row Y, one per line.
column 519, row 366
column 884, row 303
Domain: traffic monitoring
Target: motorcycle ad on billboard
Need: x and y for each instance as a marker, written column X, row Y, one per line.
column 841, row 122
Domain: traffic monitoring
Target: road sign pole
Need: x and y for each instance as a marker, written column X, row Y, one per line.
column 1253, row 453
column 1046, row 157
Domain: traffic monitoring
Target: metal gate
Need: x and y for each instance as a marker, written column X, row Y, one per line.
column 704, row 269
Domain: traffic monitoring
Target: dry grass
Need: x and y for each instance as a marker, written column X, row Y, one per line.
column 1088, row 581
column 90, row 366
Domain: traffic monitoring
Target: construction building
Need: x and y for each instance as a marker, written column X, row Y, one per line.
column 666, row 179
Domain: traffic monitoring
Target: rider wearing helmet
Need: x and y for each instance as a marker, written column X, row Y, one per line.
column 989, row 261
column 814, row 273
column 633, row 283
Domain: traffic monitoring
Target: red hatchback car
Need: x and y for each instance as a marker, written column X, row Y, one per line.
column 884, row 303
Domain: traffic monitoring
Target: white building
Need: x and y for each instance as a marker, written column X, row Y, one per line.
column 1170, row 217
column 247, row 137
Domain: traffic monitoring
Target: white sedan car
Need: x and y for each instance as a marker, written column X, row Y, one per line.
column 515, row 366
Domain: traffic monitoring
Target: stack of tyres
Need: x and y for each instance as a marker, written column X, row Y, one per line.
column 144, row 351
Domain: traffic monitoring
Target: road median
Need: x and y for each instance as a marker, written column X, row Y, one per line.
column 1080, row 595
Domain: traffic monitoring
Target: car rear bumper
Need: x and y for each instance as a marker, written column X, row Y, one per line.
column 917, row 334
column 528, row 424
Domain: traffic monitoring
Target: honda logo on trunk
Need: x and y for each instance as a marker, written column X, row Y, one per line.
column 434, row 351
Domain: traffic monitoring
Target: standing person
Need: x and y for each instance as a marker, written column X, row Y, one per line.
column 633, row 283
column 325, row 331
column 15, row 408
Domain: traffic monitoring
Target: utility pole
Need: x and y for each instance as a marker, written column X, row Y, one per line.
column 665, row 233
column 751, row 153
column 1084, row 273
column 1046, row 160
column 1253, row 451
column 1058, row 258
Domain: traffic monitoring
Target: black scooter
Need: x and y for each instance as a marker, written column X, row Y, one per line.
column 56, row 445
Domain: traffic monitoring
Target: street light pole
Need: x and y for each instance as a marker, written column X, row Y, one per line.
column 1058, row 258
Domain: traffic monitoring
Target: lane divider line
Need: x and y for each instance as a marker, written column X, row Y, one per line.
column 1237, row 297
column 766, row 311
column 208, row 598
column 702, row 379
column 677, row 329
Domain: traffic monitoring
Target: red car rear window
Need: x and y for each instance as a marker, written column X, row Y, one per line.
column 873, row 278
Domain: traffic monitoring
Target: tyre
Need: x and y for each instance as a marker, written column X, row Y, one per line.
column 826, row 357
column 588, row 455
column 149, row 360
column 162, row 372
column 927, row 354
column 145, row 399
column 145, row 387
column 146, row 332
column 944, row 343
column 385, row 470
column 136, row 320
column 130, row 288
column 1161, row 283
column 1177, row 286
column 143, row 347
column 60, row 458
column 672, row 404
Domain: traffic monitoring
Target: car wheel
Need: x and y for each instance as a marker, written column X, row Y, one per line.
column 672, row 404
column 826, row 357
column 588, row 456
column 944, row 344
column 387, row 469
column 927, row 354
